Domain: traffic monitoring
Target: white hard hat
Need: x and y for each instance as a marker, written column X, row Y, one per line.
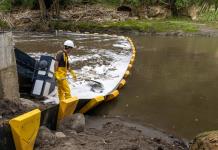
column 69, row 43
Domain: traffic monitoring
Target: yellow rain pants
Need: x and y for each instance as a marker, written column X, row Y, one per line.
column 62, row 83
column 63, row 89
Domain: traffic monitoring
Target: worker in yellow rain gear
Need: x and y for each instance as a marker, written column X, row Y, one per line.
column 62, row 67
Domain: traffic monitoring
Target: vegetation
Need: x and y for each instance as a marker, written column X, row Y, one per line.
column 208, row 16
column 128, row 26
column 175, row 5
column 52, row 7
column 156, row 25
column 24, row 3
column 5, row 5
column 3, row 25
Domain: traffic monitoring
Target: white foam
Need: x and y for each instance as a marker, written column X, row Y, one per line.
column 100, row 78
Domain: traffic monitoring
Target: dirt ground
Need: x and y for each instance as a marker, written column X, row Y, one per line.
column 10, row 109
column 115, row 134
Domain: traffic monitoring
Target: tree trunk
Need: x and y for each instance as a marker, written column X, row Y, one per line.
column 56, row 8
column 173, row 7
column 42, row 9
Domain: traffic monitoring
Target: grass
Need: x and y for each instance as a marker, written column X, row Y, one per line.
column 210, row 24
column 74, row 26
column 156, row 25
column 130, row 25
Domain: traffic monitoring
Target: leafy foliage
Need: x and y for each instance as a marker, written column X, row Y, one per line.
column 5, row 5
column 175, row 5
column 25, row 3
column 3, row 25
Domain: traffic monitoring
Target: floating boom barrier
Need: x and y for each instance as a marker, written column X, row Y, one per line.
column 20, row 132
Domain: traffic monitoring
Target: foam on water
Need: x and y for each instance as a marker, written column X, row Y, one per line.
column 108, row 66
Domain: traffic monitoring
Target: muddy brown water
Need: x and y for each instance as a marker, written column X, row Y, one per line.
column 173, row 86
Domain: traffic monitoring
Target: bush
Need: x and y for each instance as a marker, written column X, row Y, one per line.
column 25, row 3
column 5, row 5
column 210, row 15
column 3, row 25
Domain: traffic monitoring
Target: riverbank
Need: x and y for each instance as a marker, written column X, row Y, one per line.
column 169, row 27
column 103, row 19
column 113, row 133
column 98, row 132
column 137, row 27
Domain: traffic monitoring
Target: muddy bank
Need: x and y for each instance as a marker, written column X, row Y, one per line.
column 10, row 109
column 113, row 133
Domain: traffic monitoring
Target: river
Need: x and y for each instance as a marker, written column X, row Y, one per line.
column 173, row 85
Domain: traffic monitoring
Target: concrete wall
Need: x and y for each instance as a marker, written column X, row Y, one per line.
column 9, row 87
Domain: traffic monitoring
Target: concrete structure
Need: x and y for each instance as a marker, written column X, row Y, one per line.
column 9, row 87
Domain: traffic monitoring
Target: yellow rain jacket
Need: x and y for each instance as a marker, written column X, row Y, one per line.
column 61, row 75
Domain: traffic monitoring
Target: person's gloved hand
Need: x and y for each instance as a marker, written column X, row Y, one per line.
column 57, row 77
column 73, row 74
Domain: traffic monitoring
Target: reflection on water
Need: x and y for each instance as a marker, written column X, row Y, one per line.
column 174, row 85
column 174, row 82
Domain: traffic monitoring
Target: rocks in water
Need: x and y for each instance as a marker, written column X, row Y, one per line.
column 205, row 141
column 73, row 122
column 45, row 137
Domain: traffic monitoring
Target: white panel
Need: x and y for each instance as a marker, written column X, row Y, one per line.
column 46, row 89
column 50, row 75
column 52, row 66
column 41, row 72
column 38, row 87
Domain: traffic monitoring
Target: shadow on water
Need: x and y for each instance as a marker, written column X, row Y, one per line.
column 174, row 85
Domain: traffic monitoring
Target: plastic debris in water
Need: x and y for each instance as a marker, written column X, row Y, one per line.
column 96, row 86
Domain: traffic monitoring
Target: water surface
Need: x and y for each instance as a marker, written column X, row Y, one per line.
column 173, row 86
